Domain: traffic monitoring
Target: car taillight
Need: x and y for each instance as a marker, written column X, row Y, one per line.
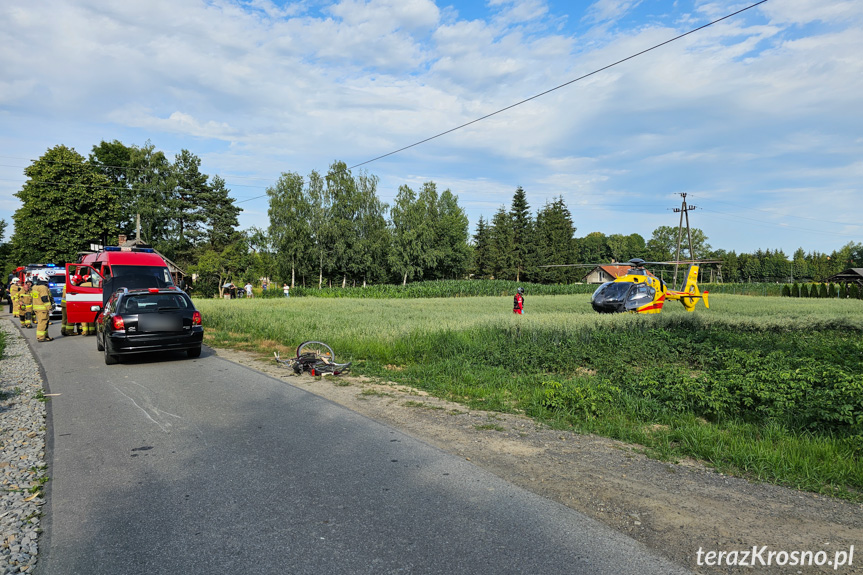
column 117, row 323
column 196, row 318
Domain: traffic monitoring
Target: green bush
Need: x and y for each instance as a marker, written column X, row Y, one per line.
column 786, row 291
column 795, row 290
column 822, row 291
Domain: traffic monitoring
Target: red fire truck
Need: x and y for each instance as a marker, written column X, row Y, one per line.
column 91, row 281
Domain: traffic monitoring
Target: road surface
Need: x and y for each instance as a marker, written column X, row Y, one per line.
column 166, row 465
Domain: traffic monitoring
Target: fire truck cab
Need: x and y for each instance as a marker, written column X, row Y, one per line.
column 91, row 281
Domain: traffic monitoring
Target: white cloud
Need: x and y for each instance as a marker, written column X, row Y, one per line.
column 742, row 107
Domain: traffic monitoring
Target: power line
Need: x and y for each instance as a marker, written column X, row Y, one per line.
column 559, row 87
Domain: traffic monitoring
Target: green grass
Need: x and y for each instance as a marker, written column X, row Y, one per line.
column 767, row 388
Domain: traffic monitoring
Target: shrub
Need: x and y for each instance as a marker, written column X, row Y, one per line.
column 786, row 291
column 822, row 291
column 795, row 290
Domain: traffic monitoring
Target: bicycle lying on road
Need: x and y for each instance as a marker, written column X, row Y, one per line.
column 315, row 358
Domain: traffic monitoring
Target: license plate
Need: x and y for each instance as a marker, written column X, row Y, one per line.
column 148, row 322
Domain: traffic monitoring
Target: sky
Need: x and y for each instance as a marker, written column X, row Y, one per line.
column 757, row 118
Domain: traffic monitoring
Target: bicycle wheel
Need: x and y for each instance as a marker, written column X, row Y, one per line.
column 318, row 348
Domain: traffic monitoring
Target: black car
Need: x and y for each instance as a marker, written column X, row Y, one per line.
column 148, row 320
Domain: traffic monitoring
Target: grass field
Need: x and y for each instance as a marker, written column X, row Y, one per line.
column 768, row 388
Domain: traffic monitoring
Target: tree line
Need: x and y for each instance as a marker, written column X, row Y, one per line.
column 332, row 229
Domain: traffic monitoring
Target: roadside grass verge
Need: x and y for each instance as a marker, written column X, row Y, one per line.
column 766, row 388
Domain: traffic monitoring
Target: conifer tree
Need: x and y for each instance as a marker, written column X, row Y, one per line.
column 522, row 233
column 482, row 255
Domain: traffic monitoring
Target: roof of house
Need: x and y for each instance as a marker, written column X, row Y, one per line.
column 615, row 271
column 849, row 275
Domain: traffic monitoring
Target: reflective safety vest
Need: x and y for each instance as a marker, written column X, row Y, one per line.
column 41, row 296
column 25, row 300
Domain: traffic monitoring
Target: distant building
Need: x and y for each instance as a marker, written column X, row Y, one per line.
column 849, row 276
column 602, row 274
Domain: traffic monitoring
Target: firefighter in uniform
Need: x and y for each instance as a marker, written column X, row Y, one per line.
column 14, row 295
column 42, row 302
column 25, row 303
column 90, row 327
column 67, row 328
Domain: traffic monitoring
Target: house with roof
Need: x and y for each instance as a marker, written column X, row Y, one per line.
column 849, row 276
column 608, row 273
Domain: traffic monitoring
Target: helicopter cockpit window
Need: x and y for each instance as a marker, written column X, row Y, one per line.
column 612, row 291
column 643, row 291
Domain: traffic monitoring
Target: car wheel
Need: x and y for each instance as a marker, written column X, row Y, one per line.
column 194, row 352
column 99, row 346
column 110, row 359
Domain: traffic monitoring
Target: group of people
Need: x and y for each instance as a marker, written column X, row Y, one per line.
column 32, row 304
column 233, row 291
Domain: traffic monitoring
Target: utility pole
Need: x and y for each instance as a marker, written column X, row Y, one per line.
column 683, row 210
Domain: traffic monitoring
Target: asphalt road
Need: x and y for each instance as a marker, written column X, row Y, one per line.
column 177, row 466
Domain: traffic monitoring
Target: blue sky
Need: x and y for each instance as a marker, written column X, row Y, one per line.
column 759, row 118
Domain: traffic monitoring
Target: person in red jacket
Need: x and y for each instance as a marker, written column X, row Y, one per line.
column 518, row 301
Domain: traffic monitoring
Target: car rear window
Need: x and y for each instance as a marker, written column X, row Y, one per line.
column 154, row 302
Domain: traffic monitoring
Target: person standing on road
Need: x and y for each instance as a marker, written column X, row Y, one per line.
column 518, row 301
column 66, row 328
column 42, row 302
column 14, row 294
column 12, row 284
column 25, row 303
column 88, row 328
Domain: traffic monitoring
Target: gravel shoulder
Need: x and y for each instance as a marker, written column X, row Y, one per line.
column 22, row 453
column 674, row 508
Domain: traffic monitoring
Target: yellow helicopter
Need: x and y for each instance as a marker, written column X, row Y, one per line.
column 639, row 291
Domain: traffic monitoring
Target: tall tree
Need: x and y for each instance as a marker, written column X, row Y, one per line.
column 220, row 214
column 187, row 213
column 66, row 205
column 113, row 160
column 482, row 256
column 342, row 224
column 412, row 233
column 369, row 259
column 522, row 232
column 451, row 237
column 290, row 223
column 150, row 180
column 320, row 202
column 556, row 244
column 502, row 239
